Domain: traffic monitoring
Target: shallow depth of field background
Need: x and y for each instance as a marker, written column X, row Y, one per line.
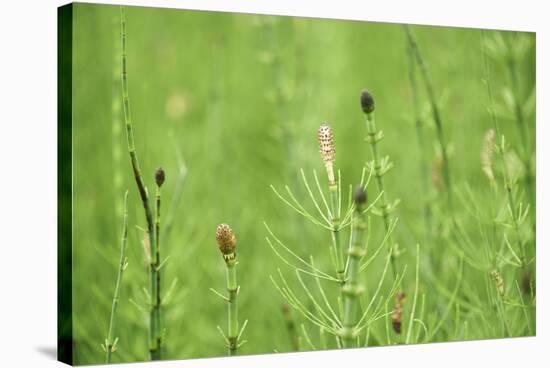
column 241, row 97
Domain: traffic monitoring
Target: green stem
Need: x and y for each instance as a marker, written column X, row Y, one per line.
column 352, row 290
column 153, row 343
column 335, row 219
column 110, row 342
column 157, row 299
column 379, row 173
column 436, row 115
column 232, row 309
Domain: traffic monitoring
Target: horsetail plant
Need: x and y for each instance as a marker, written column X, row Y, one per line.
column 227, row 243
column 342, row 318
column 111, row 342
column 380, row 166
column 328, row 155
column 154, row 307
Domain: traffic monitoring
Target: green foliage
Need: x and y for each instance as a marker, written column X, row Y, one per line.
column 240, row 98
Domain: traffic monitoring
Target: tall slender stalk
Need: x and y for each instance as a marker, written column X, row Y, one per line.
column 352, row 290
column 436, row 115
column 380, row 168
column 111, row 342
column 232, row 309
column 160, row 177
column 154, row 348
column 227, row 243
column 327, row 151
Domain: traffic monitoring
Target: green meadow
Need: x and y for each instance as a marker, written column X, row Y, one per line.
column 229, row 105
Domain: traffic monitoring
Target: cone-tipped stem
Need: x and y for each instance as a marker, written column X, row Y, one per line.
column 373, row 137
column 325, row 136
column 160, row 176
column 367, row 102
column 327, row 150
column 326, row 143
column 227, row 243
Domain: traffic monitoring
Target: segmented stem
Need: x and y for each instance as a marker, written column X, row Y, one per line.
column 352, row 290
column 373, row 138
column 232, row 308
column 154, row 348
column 335, row 233
column 110, row 342
column 436, row 115
column 157, row 299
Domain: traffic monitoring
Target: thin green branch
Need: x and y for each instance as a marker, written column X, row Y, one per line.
column 413, row 310
column 110, row 343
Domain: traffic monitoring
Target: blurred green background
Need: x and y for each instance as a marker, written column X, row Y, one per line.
column 240, row 97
